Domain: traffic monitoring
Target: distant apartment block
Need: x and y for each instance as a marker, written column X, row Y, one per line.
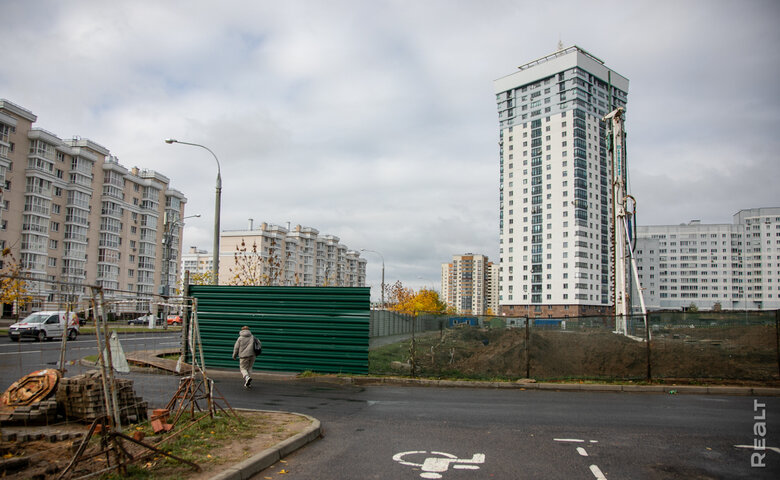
column 555, row 185
column 70, row 212
column 300, row 256
column 735, row 265
column 469, row 284
column 196, row 261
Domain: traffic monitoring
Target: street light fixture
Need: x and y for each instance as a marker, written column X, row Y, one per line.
column 217, row 202
column 383, row 272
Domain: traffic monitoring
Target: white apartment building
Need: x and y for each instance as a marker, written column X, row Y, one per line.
column 555, row 185
column 492, row 289
column 196, row 261
column 71, row 213
column 734, row 265
column 467, row 284
column 297, row 257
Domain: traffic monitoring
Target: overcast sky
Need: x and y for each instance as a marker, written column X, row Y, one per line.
column 376, row 121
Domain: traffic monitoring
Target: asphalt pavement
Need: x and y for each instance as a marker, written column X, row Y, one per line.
column 560, row 423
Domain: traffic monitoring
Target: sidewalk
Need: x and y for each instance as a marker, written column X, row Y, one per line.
column 150, row 358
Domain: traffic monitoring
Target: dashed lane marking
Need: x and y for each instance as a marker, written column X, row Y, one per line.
column 597, row 473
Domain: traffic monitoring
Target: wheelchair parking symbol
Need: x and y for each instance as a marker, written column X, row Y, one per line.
column 435, row 463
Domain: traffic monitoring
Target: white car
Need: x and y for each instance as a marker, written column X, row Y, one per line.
column 45, row 325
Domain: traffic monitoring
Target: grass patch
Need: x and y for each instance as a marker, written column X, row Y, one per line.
column 379, row 359
column 196, row 445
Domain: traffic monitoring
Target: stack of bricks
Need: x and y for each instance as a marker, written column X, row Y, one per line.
column 159, row 420
column 81, row 398
column 37, row 413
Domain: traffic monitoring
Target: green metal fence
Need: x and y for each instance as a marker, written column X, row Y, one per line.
column 321, row 329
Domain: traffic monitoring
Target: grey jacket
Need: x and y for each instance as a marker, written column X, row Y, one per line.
column 244, row 346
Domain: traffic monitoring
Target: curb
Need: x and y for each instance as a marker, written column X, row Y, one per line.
column 147, row 356
column 260, row 461
column 589, row 387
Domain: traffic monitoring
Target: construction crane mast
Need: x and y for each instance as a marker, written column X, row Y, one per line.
column 623, row 213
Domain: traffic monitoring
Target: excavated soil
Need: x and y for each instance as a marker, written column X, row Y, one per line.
column 736, row 354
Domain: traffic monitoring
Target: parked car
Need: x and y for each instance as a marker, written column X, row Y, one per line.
column 142, row 320
column 45, row 325
column 174, row 320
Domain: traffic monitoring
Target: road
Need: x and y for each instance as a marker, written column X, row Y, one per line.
column 20, row 358
column 400, row 433
column 521, row 434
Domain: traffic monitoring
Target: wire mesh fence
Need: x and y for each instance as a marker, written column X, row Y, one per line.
column 27, row 358
column 706, row 346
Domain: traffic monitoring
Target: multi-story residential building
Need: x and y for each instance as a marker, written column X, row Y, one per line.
column 196, row 261
column 291, row 257
column 736, row 266
column 555, row 185
column 492, row 289
column 467, row 284
column 72, row 213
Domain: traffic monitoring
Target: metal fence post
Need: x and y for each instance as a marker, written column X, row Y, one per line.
column 185, row 316
column 527, row 349
column 647, row 341
column 777, row 338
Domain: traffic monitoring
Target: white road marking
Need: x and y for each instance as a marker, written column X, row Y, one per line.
column 753, row 447
column 21, row 353
column 433, row 467
column 576, row 440
column 582, row 451
column 597, row 473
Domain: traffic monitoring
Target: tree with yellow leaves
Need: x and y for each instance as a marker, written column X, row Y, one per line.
column 406, row 300
column 13, row 289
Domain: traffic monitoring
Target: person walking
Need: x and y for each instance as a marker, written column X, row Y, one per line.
column 244, row 349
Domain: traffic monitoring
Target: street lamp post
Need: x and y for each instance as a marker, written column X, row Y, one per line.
column 383, row 272
column 217, row 207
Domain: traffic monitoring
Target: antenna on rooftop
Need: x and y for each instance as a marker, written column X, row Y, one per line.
column 560, row 43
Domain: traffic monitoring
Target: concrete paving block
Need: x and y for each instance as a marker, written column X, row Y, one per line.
column 602, row 387
column 691, row 389
column 559, row 386
column 527, row 386
column 647, row 388
column 766, row 391
column 724, row 390
column 297, row 441
column 230, row 473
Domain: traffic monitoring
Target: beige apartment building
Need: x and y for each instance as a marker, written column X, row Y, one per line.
column 291, row 257
column 470, row 284
column 72, row 213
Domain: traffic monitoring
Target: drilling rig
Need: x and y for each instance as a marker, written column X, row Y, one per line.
column 623, row 228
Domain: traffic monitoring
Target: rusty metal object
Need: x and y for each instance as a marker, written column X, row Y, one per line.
column 31, row 388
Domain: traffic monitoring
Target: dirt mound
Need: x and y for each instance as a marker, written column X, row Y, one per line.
column 738, row 353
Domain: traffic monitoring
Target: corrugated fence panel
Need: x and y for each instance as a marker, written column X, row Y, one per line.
column 322, row 329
